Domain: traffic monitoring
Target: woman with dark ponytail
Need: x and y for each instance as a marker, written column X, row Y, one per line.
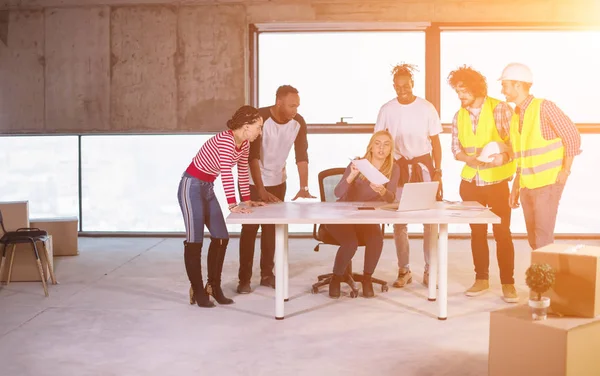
column 200, row 207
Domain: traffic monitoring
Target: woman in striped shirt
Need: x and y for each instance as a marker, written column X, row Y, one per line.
column 200, row 207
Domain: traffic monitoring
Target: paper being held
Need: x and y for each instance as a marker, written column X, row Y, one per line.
column 370, row 172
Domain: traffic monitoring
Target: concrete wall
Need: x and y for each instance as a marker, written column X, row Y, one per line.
column 77, row 69
column 85, row 66
column 22, row 74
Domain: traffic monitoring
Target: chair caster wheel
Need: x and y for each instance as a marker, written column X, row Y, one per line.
column 354, row 294
column 384, row 288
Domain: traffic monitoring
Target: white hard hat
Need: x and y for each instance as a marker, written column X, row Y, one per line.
column 517, row 72
column 488, row 150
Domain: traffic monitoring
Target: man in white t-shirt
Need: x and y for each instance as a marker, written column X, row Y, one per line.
column 415, row 125
column 283, row 128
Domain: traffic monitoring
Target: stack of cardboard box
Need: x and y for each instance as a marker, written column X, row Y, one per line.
column 568, row 342
column 64, row 232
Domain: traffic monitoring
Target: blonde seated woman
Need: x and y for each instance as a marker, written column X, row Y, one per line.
column 355, row 187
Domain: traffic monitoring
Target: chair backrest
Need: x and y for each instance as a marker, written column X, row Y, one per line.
column 328, row 180
column 2, row 224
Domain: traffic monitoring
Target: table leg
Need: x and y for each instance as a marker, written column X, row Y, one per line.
column 443, row 272
column 433, row 262
column 286, row 265
column 280, row 261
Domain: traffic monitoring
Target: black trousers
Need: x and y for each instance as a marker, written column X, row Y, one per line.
column 495, row 197
column 349, row 237
column 267, row 240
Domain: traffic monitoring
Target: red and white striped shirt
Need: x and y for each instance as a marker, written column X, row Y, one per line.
column 217, row 157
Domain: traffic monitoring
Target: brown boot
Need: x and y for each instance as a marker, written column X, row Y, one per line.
column 334, row 286
column 404, row 278
column 426, row 279
column 244, row 287
column 215, row 260
column 367, row 286
column 192, row 258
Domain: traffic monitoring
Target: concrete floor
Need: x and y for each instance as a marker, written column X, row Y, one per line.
column 121, row 308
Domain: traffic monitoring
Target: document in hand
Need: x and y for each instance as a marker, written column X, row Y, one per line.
column 467, row 206
column 370, row 172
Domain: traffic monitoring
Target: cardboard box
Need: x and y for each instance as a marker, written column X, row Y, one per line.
column 576, row 291
column 24, row 266
column 15, row 214
column 64, row 233
column 520, row 346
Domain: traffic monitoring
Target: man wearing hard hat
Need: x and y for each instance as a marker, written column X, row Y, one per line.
column 480, row 125
column 544, row 141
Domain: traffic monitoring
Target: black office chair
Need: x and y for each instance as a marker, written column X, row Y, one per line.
column 22, row 236
column 328, row 179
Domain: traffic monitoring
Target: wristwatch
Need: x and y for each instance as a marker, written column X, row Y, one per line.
column 438, row 171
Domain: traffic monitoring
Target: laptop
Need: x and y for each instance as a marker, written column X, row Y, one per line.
column 416, row 196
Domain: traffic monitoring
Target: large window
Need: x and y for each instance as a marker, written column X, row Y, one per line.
column 43, row 171
column 564, row 65
column 129, row 183
column 338, row 74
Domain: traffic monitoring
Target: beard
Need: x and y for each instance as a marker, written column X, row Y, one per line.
column 465, row 104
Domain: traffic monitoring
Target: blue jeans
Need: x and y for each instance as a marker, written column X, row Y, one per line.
column 401, row 236
column 540, row 207
column 200, row 207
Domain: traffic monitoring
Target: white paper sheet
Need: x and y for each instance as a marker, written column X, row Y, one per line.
column 370, row 172
column 466, row 206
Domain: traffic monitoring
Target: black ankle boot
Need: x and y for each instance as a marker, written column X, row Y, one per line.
column 367, row 286
column 192, row 257
column 244, row 288
column 201, row 298
column 215, row 260
column 217, row 293
column 334, row 286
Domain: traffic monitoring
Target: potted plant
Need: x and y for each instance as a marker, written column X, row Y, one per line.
column 539, row 278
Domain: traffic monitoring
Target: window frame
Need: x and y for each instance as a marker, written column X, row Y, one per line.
column 433, row 32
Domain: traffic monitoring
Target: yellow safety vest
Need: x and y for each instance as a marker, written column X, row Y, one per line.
column 473, row 143
column 540, row 160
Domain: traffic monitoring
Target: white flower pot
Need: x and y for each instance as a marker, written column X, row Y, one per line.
column 539, row 308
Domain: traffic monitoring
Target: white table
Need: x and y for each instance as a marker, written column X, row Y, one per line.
column 285, row 213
